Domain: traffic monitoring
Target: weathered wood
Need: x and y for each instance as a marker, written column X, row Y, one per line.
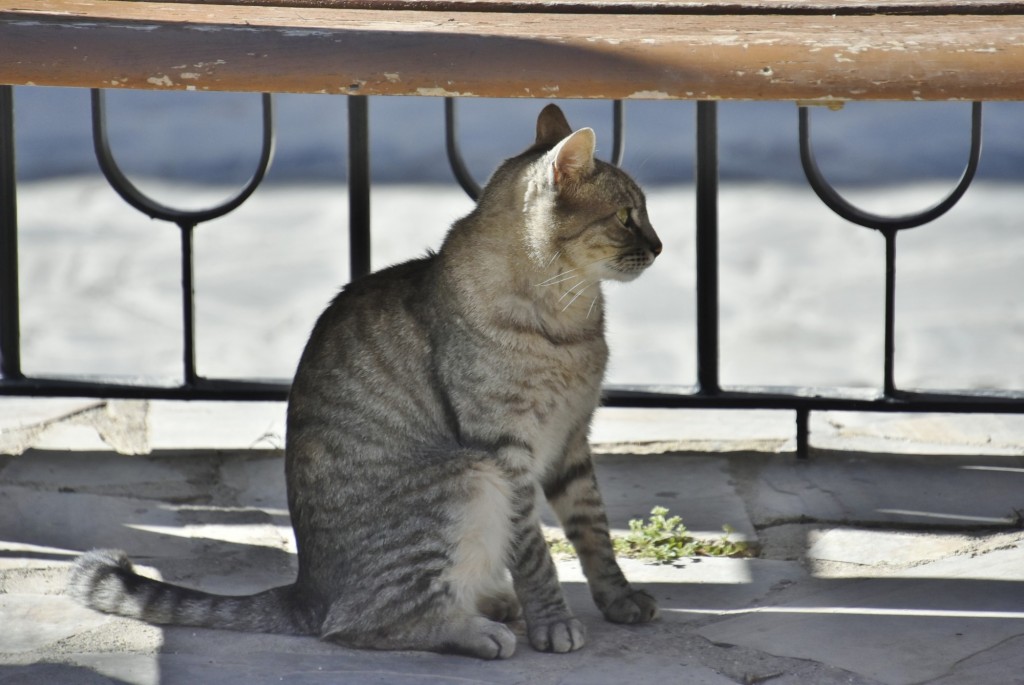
column 161, row 45
column 934, row 7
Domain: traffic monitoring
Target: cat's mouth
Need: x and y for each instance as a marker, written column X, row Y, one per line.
column 633, row 263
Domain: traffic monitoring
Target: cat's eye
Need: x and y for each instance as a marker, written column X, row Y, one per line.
column 623, row 216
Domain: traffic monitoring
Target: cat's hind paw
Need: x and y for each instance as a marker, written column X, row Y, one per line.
column 561, row 636
column 482, row 638
column 635, row 606
column 503, row 608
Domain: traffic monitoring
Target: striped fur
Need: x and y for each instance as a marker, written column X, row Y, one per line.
column 435, row 404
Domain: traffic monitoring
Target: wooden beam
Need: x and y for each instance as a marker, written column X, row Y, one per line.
column 845, row 7
column 200, row 46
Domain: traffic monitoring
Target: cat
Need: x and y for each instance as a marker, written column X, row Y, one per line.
column 434, row 405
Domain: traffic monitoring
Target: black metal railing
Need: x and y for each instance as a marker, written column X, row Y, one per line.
column 708, row 393
column 193, row 386
column 10, row 319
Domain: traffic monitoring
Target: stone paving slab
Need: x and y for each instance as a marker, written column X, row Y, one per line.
column 875, row 568
column 995, row 666
column 872, row 548
column 250, row 425
column 698, row 489
column 902, row 490
column 69, row 520
column 138, row 426
column 920, row 433
column 35, row 621
column 664, row 652
column 284, row 664
column 18, row 413
column 897, row 630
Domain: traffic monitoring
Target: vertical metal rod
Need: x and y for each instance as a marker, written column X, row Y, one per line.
column 707, row 247
column 10, row 316
column 889, row 382
column 358, row 186
column 803, row 431
column 188, row 305
column 618, row 132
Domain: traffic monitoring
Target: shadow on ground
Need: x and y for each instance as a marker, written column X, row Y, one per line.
column 874, row 569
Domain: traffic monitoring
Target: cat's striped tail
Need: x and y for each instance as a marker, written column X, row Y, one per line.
column 105, row 580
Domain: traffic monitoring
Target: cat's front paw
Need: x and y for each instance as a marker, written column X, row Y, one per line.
column 634, row 606
column 561, row 635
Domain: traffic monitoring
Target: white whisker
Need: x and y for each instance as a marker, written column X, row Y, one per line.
column 552, row 260
column 572, row 289
column 562, row 278
column 591, row 310
column 576, row 297
column 567, row 274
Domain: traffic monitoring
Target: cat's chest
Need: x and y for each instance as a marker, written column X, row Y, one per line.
column 512, row 380
column 559, row 376
column 542, row 395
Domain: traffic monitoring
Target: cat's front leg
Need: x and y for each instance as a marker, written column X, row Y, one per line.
column 572, row 492
column 550, row 626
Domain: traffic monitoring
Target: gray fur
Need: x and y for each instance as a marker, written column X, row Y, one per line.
column 435, row 403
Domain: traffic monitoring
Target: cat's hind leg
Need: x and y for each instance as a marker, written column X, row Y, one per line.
column 442, row 593
column 447, row 632
column 478, row 636
column 481, row 538
column 500, row 604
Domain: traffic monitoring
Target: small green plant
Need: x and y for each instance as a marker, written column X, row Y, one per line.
column 659, row 538
column 663, row 539
column 560, row 547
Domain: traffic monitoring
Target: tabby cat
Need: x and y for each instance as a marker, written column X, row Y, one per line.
column 436, row 402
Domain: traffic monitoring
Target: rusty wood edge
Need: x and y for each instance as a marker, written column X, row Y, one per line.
column 655, row 7
column 495, row 58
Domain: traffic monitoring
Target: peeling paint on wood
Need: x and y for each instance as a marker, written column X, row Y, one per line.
column 283, row 48
column 654, row 6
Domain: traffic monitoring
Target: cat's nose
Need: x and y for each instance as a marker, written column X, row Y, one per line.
column 651, row 238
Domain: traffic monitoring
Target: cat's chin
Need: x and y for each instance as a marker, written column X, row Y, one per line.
column 629, row 266
column 624, row 276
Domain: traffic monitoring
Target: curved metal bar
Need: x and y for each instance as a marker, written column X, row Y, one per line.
column 465, row 178
column 838, row 204
column 157, row 210
column 455, row 160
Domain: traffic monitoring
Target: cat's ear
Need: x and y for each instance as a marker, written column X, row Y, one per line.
column 552, row 127
column 573, row 158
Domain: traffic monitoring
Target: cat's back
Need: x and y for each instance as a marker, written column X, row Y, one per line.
column 390, row 299
column 369, row 354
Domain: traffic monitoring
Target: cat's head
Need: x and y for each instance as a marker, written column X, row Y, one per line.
column 582, row 213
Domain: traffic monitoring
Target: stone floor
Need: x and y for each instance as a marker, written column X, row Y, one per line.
column 894, row 555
